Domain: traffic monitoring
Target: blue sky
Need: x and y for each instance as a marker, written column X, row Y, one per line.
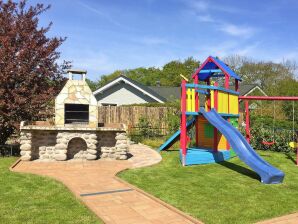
column 105, row 35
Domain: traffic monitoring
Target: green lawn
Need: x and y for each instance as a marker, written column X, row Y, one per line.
column 220, row 193
column 26, row 198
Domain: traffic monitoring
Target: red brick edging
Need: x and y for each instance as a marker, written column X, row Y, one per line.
column 190, row 218
column 14, row 164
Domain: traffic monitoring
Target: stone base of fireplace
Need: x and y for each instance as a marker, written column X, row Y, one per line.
column 60, row 144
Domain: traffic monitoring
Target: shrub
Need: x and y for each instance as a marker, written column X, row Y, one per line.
column 173, row 121
column 281, row 139
column 144, row 130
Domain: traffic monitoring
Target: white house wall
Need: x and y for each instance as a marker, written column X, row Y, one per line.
column 122, row 94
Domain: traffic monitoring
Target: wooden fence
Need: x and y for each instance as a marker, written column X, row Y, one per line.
column 131, row 115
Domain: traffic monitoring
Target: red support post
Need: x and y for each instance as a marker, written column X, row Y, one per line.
column 183, row 134
column 227, row 86
column 216, row 96
column 237, row 90
column 297, row 156
column 227, row 80
column 236, row 85
column 196, row 81
column 247, row 128
column 215, row 132
column 208, row 96
column 285, row 98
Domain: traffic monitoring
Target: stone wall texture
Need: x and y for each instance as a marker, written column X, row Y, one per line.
column 65, row 145
column 119, row 150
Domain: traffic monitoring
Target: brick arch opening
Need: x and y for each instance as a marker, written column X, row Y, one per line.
column 77, row 148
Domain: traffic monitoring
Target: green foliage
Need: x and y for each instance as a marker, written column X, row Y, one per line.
column 269, row 123
column 144, row 126
column 267, row 74
column 93, row 85
column 168, row 75
column 144, row 129
column 264, row 128
column 147, row 130
column 280, row 138
column 173, row 121
column 104, row 79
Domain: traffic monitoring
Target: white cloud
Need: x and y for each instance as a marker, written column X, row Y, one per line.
column 207, row 5
column 204, row 11
column 150, row 40
column 248, row 50
column 235, row 30
column 199, row 5
column 226, row 48
column 100, row 13
column 206, row 18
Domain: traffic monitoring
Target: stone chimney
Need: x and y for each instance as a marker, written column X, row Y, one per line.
column 76, row 105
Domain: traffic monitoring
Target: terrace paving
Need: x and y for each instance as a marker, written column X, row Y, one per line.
column 112, row 199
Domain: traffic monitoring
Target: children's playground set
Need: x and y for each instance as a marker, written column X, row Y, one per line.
column 217, row 137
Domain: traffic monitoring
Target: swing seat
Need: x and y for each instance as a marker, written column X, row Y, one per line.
column 293, row 145
column 268, row 143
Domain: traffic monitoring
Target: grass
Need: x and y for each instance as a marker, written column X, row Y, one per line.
column 27, row 198
column 228, row 192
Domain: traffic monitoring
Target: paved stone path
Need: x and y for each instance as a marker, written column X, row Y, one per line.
column 114, row 200
column 287, row 219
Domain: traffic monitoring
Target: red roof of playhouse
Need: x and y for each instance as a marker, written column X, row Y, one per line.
column 215, row 68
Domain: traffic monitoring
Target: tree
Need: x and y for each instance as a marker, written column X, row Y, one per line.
column 235, row 61
column 167, row 76
column 92, row 84
column 288, row 87
column 29, row 74
column 266, row 74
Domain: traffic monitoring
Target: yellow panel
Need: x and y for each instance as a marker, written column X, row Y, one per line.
column 188, row 102
column 234, row 104
column 193, row 100
column 220, row 102
column 226, row 105
column 231, row 99
column 223, row 102
column 222, row 143
column 212, row 98
column 206, row 104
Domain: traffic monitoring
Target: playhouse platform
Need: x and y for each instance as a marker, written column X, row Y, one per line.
column 205, row 156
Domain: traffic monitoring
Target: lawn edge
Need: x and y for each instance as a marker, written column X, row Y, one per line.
column 14, row 165
column 11, row 168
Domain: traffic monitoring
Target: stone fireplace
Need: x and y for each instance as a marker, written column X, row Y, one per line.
column 75, row 105
column 75, row 133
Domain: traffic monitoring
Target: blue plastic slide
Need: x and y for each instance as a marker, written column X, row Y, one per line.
column 268, row 173
column 176, row 136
